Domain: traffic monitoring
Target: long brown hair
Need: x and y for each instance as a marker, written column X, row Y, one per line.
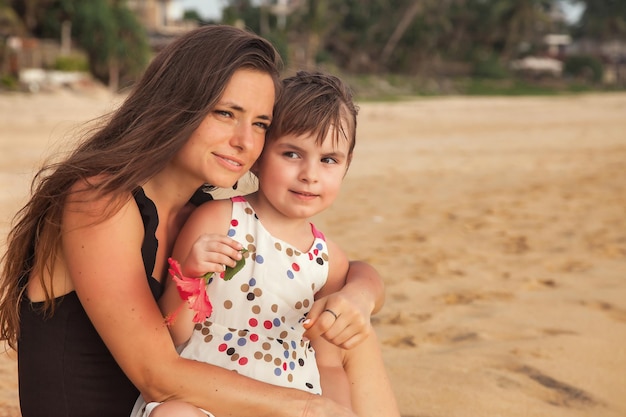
column 178, row 89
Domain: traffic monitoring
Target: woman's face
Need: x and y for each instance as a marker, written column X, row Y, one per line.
column 231, row 136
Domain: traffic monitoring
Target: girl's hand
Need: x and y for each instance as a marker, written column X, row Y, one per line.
column 211, row 253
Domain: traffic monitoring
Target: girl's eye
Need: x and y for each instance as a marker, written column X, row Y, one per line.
column 329, row 160
column 291, row 155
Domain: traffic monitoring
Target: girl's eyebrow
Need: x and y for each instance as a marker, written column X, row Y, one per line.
column 295, row 147
column 335, row 154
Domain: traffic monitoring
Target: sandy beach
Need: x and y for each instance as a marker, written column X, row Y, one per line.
column 498, row 224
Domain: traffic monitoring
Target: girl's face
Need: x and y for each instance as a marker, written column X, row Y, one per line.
column 300, row 178
column 231, row 137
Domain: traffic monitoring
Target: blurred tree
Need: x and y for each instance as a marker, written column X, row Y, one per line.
column 10, row 25
column 192, row 15
column 603, row 20
column 242, row 13
column 415, row 35
column 115, row 42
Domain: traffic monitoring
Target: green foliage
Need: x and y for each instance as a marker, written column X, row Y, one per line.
column 489, row 67
column 281, row 43
column 583, row 67
column 131, row 49
column 427, row 39
column 192, row 15
column 242, row 11
column 603, row 20
column 71, row 63
column 8, row 82
column 505, row 87
column 111, row 35
column 106, row 30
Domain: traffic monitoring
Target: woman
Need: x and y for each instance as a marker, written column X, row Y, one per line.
column 86, row 259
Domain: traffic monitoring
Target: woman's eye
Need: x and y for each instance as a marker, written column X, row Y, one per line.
column 223, row 113
column 262, row 125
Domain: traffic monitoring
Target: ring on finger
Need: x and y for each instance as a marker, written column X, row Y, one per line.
column 331, row 312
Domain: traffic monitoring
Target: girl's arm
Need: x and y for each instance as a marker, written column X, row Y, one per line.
column 209, row 252
column 353, row 300
column 108, row 274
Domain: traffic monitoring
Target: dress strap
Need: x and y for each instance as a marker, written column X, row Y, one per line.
column 150, row 218
column 317, row 233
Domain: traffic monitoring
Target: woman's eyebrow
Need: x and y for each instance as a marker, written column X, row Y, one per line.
column 237, row 107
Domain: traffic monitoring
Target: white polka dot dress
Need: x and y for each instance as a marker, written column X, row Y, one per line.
column 256, row 325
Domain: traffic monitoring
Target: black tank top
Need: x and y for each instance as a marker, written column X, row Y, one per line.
column 64, row 368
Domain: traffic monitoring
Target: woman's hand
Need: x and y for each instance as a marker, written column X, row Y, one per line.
column 343, row 317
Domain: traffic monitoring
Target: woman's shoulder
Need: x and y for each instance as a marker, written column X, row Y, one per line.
column 86, row 203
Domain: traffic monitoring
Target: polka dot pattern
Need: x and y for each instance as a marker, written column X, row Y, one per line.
column 256, row 325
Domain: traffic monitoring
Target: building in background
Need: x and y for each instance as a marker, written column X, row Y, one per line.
column 161, row 20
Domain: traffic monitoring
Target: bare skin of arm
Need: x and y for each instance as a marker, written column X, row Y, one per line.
column 197, row 250
column 107, row 272
column 357, row 377
column 329, row 357
column 362, row 281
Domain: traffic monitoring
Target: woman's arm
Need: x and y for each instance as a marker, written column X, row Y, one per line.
column 365, row 277
column 107, row 270
column 333, row 377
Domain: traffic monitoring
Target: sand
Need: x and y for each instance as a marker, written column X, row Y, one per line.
column 498, row 224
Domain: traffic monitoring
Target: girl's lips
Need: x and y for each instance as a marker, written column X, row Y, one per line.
column 304, row 194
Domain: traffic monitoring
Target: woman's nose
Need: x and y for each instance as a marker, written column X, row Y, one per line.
column 245, row 138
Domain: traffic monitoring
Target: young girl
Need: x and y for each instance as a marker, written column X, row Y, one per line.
column 87, row 255
column 259, row 317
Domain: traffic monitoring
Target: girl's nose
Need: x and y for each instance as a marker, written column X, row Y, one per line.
column 308, row 173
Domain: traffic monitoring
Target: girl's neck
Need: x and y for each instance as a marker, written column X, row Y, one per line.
column 295, row 231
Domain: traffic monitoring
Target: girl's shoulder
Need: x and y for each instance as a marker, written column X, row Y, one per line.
column 214, row 206
column 213, row 211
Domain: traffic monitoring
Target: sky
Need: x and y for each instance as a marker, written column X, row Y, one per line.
column 211, row 9
column 208, row 9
